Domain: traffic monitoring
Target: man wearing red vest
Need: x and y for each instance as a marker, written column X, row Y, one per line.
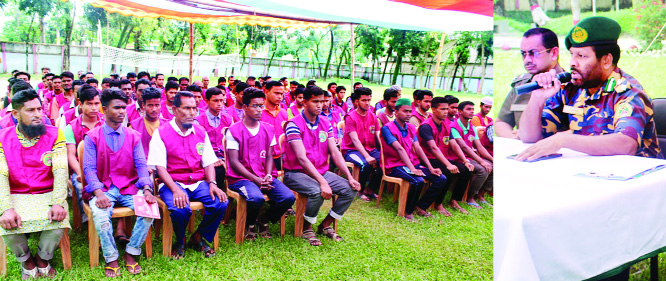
column 297, row 105
column 483, row 123
column 213, row 120
column 443, row 153
column 170, row 91
column 402, row 153
column 33, row 186
column 151, row 120
column 274, row 115
column 135, row 110
column 311, row 142
column 387, row 113
column 250, row 147
column 468, row 139
column 236, row 109
column 421, row 106
column 114, row 165
column 358, row 142
column 185, row 163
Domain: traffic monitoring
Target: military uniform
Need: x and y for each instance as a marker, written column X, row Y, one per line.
column 515, row 104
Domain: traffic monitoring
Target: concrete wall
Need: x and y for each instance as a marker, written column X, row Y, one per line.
column 549, row 5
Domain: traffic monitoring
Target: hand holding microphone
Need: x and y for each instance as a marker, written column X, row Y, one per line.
column 549, row 81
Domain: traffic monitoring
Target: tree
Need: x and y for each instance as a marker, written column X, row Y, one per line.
column 459, row 55
column 39, row 8
column 485, row 49
column 371, row 43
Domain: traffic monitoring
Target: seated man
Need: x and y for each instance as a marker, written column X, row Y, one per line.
column 443, row 153
column 387, row 113
column 33, row 185
column 213, row 120
column 182, row 163
column 198, row 96
column 136, row 110
column 115, row 169
column 236, row 110
column 297, row 105
column 274, row 115
column 603, row 111
column 170, row 90
column 358, row 143
column 401, row 149
column 467, row 138
column 482, row 122
column 421, row 106
column 151, row 120
column 311, row 143
column 251, row 173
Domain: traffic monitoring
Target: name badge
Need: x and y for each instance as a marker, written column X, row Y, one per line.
column 573, row 110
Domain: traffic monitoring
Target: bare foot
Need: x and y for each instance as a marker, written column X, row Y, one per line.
column 454, row 204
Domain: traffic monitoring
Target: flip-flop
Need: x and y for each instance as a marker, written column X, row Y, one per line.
column 264, row 232
column 203, row 247
column 364, row 198
column 122, row 239
column 330, row 233
column 133, row 266
column 29, row 274
column 178, row 251
column 486, row 202
column 44, row 272
column 311, row 237
column 474, row 204
column 114, row 269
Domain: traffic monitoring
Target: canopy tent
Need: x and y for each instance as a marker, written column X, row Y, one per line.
column 423, row 15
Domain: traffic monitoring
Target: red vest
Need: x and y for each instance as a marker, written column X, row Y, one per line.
column 441, row 138
column 483, row 138
column 391, row 157
column 468, row 138
column 139, row 126
column 366, row 127
column 30, row 168
column 278, row 123
column 415, row 113
column 62, row 101
column 118, row 167
column 184, row 153
column 315, row 143
column 252, row 150
column 79, row 130
column 215, row 133
column 164, row 112
column 132, row 112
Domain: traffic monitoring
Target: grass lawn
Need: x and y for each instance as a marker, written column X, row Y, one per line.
column 561, row 22
column 378, row 246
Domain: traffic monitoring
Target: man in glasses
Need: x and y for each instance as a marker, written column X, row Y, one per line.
column 540, row 51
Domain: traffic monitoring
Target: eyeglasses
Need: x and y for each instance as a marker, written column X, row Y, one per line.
column 255, row 106
column 533, row 53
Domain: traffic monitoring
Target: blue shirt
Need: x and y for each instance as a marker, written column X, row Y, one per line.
column 390, row 138
column 115, row 140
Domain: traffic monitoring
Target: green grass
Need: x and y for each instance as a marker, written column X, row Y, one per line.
column 561, row 22
column 378, row 246
column 508, row 65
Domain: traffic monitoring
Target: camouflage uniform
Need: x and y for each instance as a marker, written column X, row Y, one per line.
column 515, row 104
column 625, row 109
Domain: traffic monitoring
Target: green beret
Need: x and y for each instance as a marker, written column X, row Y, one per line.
column 593, row 31
column 403, row 101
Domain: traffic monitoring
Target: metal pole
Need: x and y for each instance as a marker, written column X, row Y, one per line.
column 101, row 51
column 353, row 72
column 439, row 59
column 191, row 48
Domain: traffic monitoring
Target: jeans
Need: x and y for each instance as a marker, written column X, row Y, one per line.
column 78, row 188
column 305, row 185
column 102, row 218
column 416, row 183
column 48, row 242
column 281, row 199
column 366, row 169
column 181, row 217
column 463, row 178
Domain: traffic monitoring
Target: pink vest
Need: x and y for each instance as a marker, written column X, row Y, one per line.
column 139, row 126
column 252, row 150
column 294, row 110
column 232, row 111
column 69, row 115
column 184, row 153
column 79, row 130
column 62, row 101
column 483, row 138
column 132, row 112
column 441, row 138
column 383, row 118
column 215, row 133
column 315, row 143
column 467, row 138
column 365, row 128
column 30, row 168
column 202, row 104
column 164, row 112
column 415, row 113
column 278, row 123
column 116, row 168
column 391, row 157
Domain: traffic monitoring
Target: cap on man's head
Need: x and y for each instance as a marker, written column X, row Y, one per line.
column 593, row 31
column 487, row 101
column 403, row 101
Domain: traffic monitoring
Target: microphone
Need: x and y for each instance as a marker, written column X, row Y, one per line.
column 564, row 77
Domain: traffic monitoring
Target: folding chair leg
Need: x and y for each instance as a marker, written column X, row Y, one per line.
column 382, row 184
column 301, row 201
column 404, row 191
column 335, row 222
column 65, row 251
column 466, row 191
column 93, row 242
column 3, row 258
column 76, row 212
column 157, row 225
column 167, row 232
column 190, row 225
column 216, row 240
column 149, row 244
column 283, row 227
column 241, row 217
column 396, row 191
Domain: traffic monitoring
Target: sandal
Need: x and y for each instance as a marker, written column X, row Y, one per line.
column 29, row 274
column 474, row 204
column 134, row 271
column 250, row 234
column 486, row 202
column 330, row 233
column 178, row 251
column 114, row 269
column 202, row 246
column 364, row 198
column 46, row 272
column 264, row 232
column 122, row 239
column 423, row 213
column 290, row 212
column 311, row 237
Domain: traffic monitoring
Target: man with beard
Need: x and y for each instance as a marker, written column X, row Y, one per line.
column 114, row 165
column 9, row 119
column 213, row 120
column 387, row 114
column 310, row 144
column 33, row 186
column 482, row 122
column 170, row 91
column 250, row 146
column 604, row 110
column 64, row 99
column 421, row 106
column 540, row 51
column 151, row 120
column 185, row 163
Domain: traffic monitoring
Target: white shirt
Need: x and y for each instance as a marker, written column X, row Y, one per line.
column 64, row 124
column 233, row 143
column 157, row 155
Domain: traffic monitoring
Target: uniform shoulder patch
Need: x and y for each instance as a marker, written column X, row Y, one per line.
column 521, row 79
column 624, row 110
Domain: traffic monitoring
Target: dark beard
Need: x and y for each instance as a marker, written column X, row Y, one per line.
column 187, row 126
column 32, row 131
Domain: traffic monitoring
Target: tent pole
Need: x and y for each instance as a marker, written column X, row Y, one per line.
column 101, row 50
column 353, row 71
column 191, row 48
column 439, row 59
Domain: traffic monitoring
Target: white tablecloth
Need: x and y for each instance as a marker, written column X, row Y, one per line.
column 552, row 225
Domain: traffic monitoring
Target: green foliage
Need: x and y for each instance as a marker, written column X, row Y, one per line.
column 650, row 16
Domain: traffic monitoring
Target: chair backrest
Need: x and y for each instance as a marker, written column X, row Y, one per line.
column 660, row 120
column 79, row 153
column 281, row 141
column 341, row 131
column 381, row 150
column 57, row 121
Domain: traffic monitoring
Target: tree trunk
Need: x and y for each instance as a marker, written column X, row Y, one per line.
column 42, row 36
column 453, row 78
column 330, row 54
column 484, row 60
column 137, row 46
column 396, row 71
column 388, row 56
column 120, row 41
column 27, row 41
column 342, row 55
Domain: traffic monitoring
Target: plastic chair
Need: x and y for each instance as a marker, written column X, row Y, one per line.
column 403, row 185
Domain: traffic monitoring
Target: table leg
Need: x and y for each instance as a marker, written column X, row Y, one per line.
column 654, row 268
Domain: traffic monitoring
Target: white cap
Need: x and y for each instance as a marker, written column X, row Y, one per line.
column 487, row 100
